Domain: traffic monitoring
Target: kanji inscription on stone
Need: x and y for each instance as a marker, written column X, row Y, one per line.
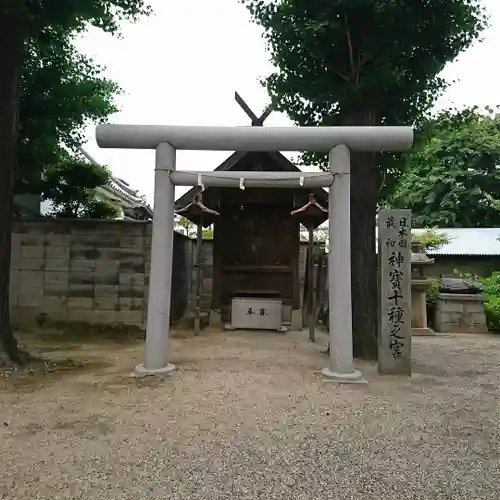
column 394, row 258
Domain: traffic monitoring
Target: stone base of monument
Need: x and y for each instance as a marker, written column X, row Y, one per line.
column 422, row 332
column 354, row 377
column 214, row 319
column 142, row 371
column 296, row 320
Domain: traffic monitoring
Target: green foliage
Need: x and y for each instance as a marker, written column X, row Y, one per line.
column 364, row 61
column 21, row 22
column 431, row 300
column 492, row 300
column 71, row 186
column 62, row 92
column 320, row 235
column 431, row 239
column 76, row 15
column 95, row 208
column 208, row 234
column 185, row 226
column 452, row 177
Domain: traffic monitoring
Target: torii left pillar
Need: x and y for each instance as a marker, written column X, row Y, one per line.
column 160, row 274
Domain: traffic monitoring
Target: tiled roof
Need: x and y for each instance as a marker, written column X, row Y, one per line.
column 467, row 241
column 120, row 187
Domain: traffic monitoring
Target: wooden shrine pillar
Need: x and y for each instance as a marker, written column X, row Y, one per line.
column 203, row 215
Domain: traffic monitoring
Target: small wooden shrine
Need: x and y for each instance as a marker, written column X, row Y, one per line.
column 256, row 242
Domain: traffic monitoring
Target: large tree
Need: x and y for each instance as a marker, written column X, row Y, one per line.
column 71, row 185
column 62, row 91
column 452, row 178
column 20, row 22
column 362, row 62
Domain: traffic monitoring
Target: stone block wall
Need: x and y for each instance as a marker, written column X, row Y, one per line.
column 460, row 313
column 88, row 271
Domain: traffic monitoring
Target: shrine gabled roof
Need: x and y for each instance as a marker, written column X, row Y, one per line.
column 232, row 162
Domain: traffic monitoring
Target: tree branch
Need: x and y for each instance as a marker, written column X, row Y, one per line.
column 358, row 70
column 349, row 44
column 367, row 59
column 345, row 78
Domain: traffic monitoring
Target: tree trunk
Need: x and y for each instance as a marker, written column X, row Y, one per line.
column 364, row 193
column 364, row 197
column 12, row 37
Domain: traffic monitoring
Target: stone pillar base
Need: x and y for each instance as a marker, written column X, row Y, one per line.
column 142, row 371
column 355, row 377
column 215, row 319
column 296, row 320
column 422, row 332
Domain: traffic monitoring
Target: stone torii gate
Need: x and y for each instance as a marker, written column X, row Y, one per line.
column 336, row 140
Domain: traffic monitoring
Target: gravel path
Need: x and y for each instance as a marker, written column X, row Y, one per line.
column 249, row 417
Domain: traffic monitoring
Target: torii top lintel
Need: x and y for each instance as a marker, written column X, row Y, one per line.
column 262, row 139
column 254, row 138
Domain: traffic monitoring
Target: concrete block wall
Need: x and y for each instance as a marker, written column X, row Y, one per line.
column 88, row 271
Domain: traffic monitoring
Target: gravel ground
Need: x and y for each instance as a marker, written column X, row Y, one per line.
column 249, row 417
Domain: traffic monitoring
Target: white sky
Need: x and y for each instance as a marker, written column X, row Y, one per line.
column 182, row 65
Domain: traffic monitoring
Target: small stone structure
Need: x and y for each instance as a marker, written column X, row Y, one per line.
column 460, row 313
column 420, row 283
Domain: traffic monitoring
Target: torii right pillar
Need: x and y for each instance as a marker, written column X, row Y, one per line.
column 341, row 367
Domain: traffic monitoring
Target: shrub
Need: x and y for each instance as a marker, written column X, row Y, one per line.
column 492, row 310
column 492, row 300
column 430, row 239
column 430, row 300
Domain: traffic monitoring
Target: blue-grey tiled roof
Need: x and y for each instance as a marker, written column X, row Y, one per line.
column 467, row 241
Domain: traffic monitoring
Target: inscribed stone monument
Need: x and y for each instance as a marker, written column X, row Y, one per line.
column 394, row 252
